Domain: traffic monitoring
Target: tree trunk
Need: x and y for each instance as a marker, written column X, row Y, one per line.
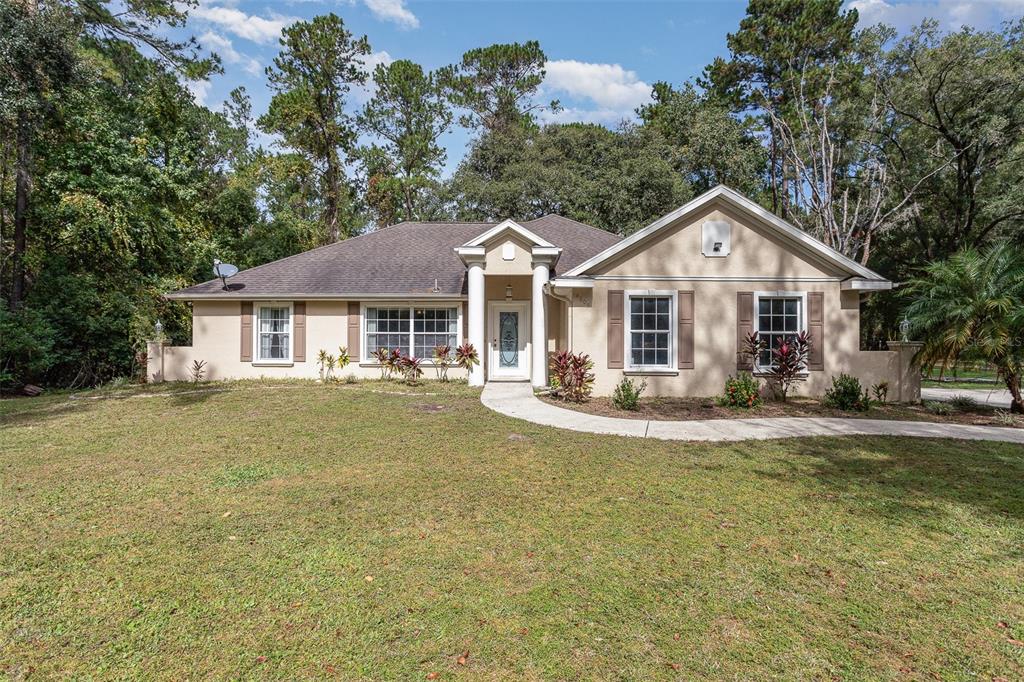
column 22, row 182
column 331, row 204
column 1013, row 384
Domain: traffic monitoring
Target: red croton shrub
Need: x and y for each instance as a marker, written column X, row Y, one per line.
column 789, row 360
column 571, row 377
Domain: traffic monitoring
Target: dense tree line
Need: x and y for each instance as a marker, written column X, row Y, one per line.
column 116, row 186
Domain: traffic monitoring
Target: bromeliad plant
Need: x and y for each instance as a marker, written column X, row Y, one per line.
column 571, row 377
column 789, row 360
column 442, row 361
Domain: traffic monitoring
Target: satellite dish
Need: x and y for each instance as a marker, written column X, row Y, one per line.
column 224, row 270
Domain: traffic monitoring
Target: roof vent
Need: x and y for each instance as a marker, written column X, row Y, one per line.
column 436, row 288
column 715, row 238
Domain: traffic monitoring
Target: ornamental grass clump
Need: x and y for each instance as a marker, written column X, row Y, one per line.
column 571, row 377
column 742, row 391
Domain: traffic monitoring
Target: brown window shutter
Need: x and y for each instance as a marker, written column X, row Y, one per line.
column 684, row 344
column 816, row 328
column 246, row 316
column 744, row 326
column 616, row 331
column 465, row 322
column 299, row 331
column 353, row 331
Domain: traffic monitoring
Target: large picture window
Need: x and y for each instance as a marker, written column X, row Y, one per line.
column 650, row 331
column 778, row 318
column 412, row 330
column 274, row 333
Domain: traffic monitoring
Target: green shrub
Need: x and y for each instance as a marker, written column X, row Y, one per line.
column 963, row 402
column 881, row 392
column 937, row 407
column 1005, row 418
column 742, row 391
column 627, row 394
column 847, row 394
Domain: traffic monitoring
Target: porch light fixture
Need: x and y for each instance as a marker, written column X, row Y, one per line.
column 508, row 292
column 159, row 329
column 718, row 247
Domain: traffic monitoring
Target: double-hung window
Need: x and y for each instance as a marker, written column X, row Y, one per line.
column 780, row 317
column 649, row 332
column 414, row 330
column 274, row 333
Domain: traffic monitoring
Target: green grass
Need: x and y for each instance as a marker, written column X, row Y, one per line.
column 231, row 534
column 973, row 385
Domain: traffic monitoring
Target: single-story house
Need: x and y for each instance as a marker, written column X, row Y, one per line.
column 671, row 303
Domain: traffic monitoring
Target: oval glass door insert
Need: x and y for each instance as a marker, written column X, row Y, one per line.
column 508, row 339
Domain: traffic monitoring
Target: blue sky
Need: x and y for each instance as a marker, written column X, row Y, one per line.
column 603, row 55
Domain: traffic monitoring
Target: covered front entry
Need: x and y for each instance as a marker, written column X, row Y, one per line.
column 508, row 346
column 509, row 262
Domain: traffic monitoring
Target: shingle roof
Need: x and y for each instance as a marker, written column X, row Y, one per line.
column 403, row 259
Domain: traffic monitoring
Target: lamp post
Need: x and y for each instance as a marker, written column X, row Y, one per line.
column 159, row 329
column 905, row 330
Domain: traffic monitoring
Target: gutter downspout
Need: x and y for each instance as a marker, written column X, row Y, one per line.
column 550, row 291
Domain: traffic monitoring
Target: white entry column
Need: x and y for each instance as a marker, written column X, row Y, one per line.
column 475, row 290
column 539, row 325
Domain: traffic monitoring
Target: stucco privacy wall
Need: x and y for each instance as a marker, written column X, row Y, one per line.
column 758, row 261
column 216, row 339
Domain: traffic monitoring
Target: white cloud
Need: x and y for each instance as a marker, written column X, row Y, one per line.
column 238, row 23
column 362, row 94
column 951, row 14
column 616, row 91
column 199, row 90
column 228, row 53
column 393, row 10
column 606, row 117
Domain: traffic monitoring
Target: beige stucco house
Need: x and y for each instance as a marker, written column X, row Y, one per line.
column 670, row 303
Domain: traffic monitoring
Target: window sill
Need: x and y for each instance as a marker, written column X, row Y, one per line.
column 651, row 371
column 764, row 374
column 273, row 363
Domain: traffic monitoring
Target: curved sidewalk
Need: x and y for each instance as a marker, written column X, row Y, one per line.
column 517, row 400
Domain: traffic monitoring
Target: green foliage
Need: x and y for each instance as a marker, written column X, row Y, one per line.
column 617, row 181
column 788, row 360
column 939, row 408
column 496, row 84
column 409, row 115
column 311, row 77
column 847, row 394
column 742, row 391
column 709, row 146
column 963, row 402
column 626, row 395
column 466, row 356
column 971, row 306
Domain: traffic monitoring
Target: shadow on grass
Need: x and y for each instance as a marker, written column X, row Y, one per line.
column 917, row 479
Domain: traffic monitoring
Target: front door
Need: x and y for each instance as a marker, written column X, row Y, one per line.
column 508, row 342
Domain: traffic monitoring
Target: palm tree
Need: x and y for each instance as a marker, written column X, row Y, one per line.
column 972, row 305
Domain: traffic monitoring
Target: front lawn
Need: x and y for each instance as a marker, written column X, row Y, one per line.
column 379, row 532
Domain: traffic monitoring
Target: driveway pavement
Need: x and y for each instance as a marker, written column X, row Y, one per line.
column 994, row 397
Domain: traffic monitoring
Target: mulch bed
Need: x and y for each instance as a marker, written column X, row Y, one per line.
column 686, row 409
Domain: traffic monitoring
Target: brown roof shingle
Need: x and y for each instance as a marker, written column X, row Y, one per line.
column 403, row 260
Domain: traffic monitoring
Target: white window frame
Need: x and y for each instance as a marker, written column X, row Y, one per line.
column 257, row 359
column 367, row 353
column 802, row 322
column 673, row 357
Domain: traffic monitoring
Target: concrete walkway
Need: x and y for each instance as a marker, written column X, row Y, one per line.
column 517, row 400
column 993, row 397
